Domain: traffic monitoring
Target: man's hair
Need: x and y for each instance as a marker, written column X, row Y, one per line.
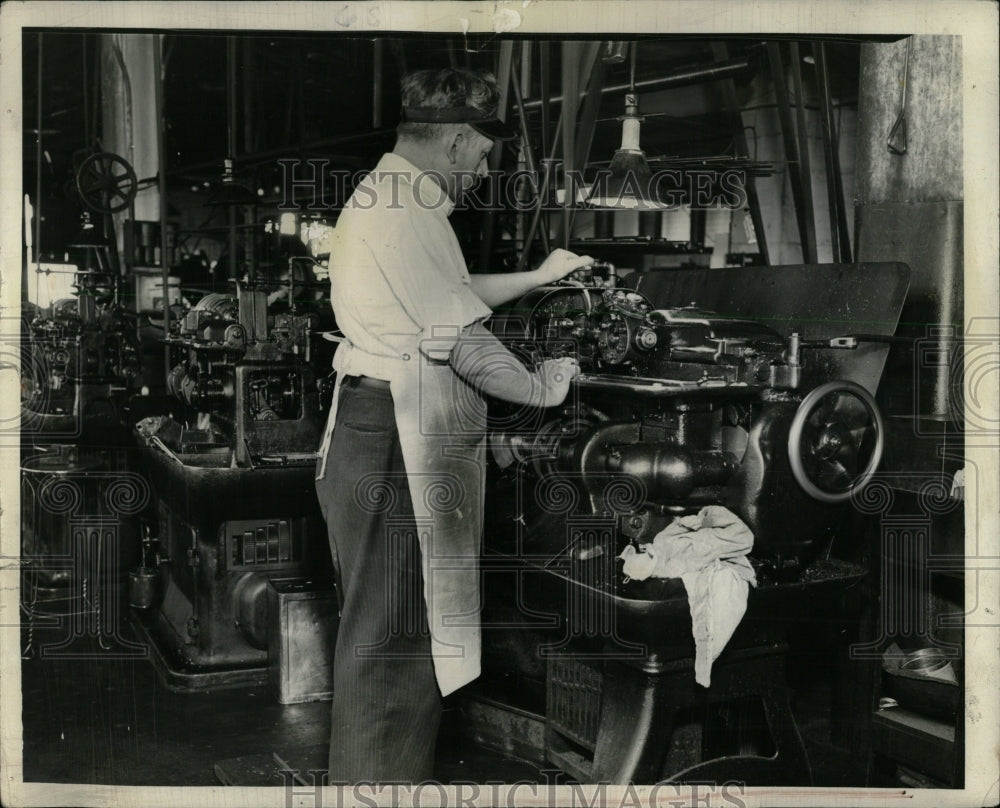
column 446, row 88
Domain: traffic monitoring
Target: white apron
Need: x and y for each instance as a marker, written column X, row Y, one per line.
column 442, row 426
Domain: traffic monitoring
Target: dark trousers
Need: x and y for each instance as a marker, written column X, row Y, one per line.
column 386, row 702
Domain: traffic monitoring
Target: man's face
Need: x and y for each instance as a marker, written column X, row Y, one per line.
column 471, row 150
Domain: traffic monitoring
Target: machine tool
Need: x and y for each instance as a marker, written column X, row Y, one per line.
column 232, row 460
column 84, row 361
column 81, row 362
column 696, row 387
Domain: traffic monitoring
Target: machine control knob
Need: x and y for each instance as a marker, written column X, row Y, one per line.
column 646, row 339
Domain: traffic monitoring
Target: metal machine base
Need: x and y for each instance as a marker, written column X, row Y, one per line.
column 223, row 534
column 179, row 676
column 615, row 697
column 635, row 722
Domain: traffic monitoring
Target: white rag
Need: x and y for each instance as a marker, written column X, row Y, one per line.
column 708, row 552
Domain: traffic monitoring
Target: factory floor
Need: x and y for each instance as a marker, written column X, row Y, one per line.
column 95, row 711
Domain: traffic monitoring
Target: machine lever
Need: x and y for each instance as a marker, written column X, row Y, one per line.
column 246, row 445
column 852, row 340
column 161, row 445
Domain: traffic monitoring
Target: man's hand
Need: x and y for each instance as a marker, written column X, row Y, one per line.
column 555, row 375
column 496, row 289
column 559, row 264
column 321, row 271
column 486, row 364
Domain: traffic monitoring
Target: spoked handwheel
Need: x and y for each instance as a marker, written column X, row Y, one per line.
column 836, row 440
column 106, row 183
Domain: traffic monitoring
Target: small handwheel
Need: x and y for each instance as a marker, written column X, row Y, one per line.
column 106, row 183
column 835, row 441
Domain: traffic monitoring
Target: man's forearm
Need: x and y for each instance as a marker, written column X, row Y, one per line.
column 495, row 290
column 487, row 365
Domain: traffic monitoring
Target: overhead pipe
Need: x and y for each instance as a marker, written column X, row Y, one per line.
column 680, row 78
column 257, row 157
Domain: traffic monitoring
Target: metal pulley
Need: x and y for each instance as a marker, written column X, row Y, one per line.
column 835, row 441
column 106, row 183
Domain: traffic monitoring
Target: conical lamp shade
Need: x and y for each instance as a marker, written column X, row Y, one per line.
column 230, row 192
column 89, row 236
column 628, row 183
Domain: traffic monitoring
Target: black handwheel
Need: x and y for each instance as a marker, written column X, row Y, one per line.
column 106, row 183
column 835, row 441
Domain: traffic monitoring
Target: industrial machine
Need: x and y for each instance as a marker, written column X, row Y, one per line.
column 81, row 362
column 697, row 387
column 693, row 408
column 232, row 461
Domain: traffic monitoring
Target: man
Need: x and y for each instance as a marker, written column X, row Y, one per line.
column 401, row 473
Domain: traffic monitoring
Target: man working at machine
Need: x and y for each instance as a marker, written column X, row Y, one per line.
column 401, row 473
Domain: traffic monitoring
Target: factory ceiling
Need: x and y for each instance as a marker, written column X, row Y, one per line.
column 314, row 97
column 314, row 94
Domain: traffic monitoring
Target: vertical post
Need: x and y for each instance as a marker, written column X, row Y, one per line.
column 545, row 90
column 503, row 85
column 651, row 221
column 699, row 219
column 542, row 195
column 529, row 154
column 231, row 145
column 526, row 64
column 604, row 227
column 84, row 94
column 248, row 102
column 839, row 234
column 571, row 52
column 400, row 54
column 721, row 53
column 378, row 55
column 592, row 71
column 38, row 162
column 787, row 135
column 804, row 163
column 161, row 174
column 585, row 70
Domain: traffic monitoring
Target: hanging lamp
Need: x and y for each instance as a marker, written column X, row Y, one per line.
column 627, row 183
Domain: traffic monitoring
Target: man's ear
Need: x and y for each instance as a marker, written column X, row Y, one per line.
column 452, row 141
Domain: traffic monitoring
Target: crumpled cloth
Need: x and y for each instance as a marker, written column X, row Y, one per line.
column 708, row 552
